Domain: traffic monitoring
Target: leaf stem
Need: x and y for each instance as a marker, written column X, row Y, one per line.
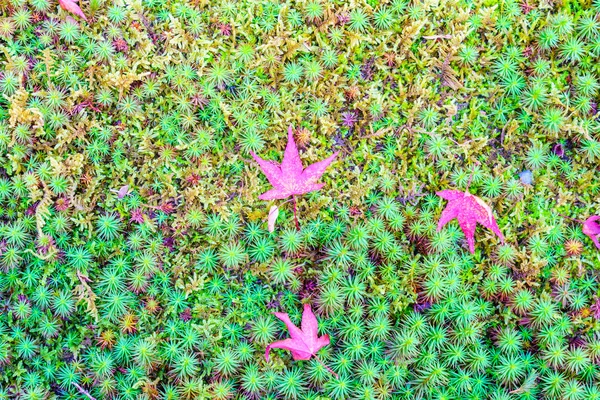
column 471, row 177
column 295, row 213
column 469, row 182
column 567, row 217
column 326, row 367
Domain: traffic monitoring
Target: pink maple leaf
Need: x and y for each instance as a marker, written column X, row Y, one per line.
column 72, row 7
column 591, row 228
column 289, row 178
column 304, row 343
column 468, row 209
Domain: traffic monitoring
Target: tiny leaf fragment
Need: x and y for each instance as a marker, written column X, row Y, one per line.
column 72, row 7
column 273, row 214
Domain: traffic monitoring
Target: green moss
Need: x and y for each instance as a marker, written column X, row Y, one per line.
column 168, row 290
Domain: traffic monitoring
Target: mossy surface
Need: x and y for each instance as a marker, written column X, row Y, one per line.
column 135, row 259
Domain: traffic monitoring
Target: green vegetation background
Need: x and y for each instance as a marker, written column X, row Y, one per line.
column 167, row 291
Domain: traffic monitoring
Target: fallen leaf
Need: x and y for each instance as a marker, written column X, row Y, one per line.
column 122, row 192
column 591, row 228
column 304, row 343
column 468, row 210
column 72, row 7
column 273, row 214
column 290, row 178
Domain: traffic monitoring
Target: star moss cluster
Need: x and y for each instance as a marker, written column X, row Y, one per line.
column 165, row 289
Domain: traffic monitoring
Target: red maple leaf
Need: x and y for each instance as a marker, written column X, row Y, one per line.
column 304, row 343
column 592, row 229
column 289, row 178
column 468, row 210
column 72, row 7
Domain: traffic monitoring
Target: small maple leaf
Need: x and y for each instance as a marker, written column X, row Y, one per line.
column 591, row 228
column 468, row 209
column 304, row 343
column 72, row 7
column 289, row 178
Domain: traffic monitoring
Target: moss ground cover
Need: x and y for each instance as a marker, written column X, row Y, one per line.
column 136, row 260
